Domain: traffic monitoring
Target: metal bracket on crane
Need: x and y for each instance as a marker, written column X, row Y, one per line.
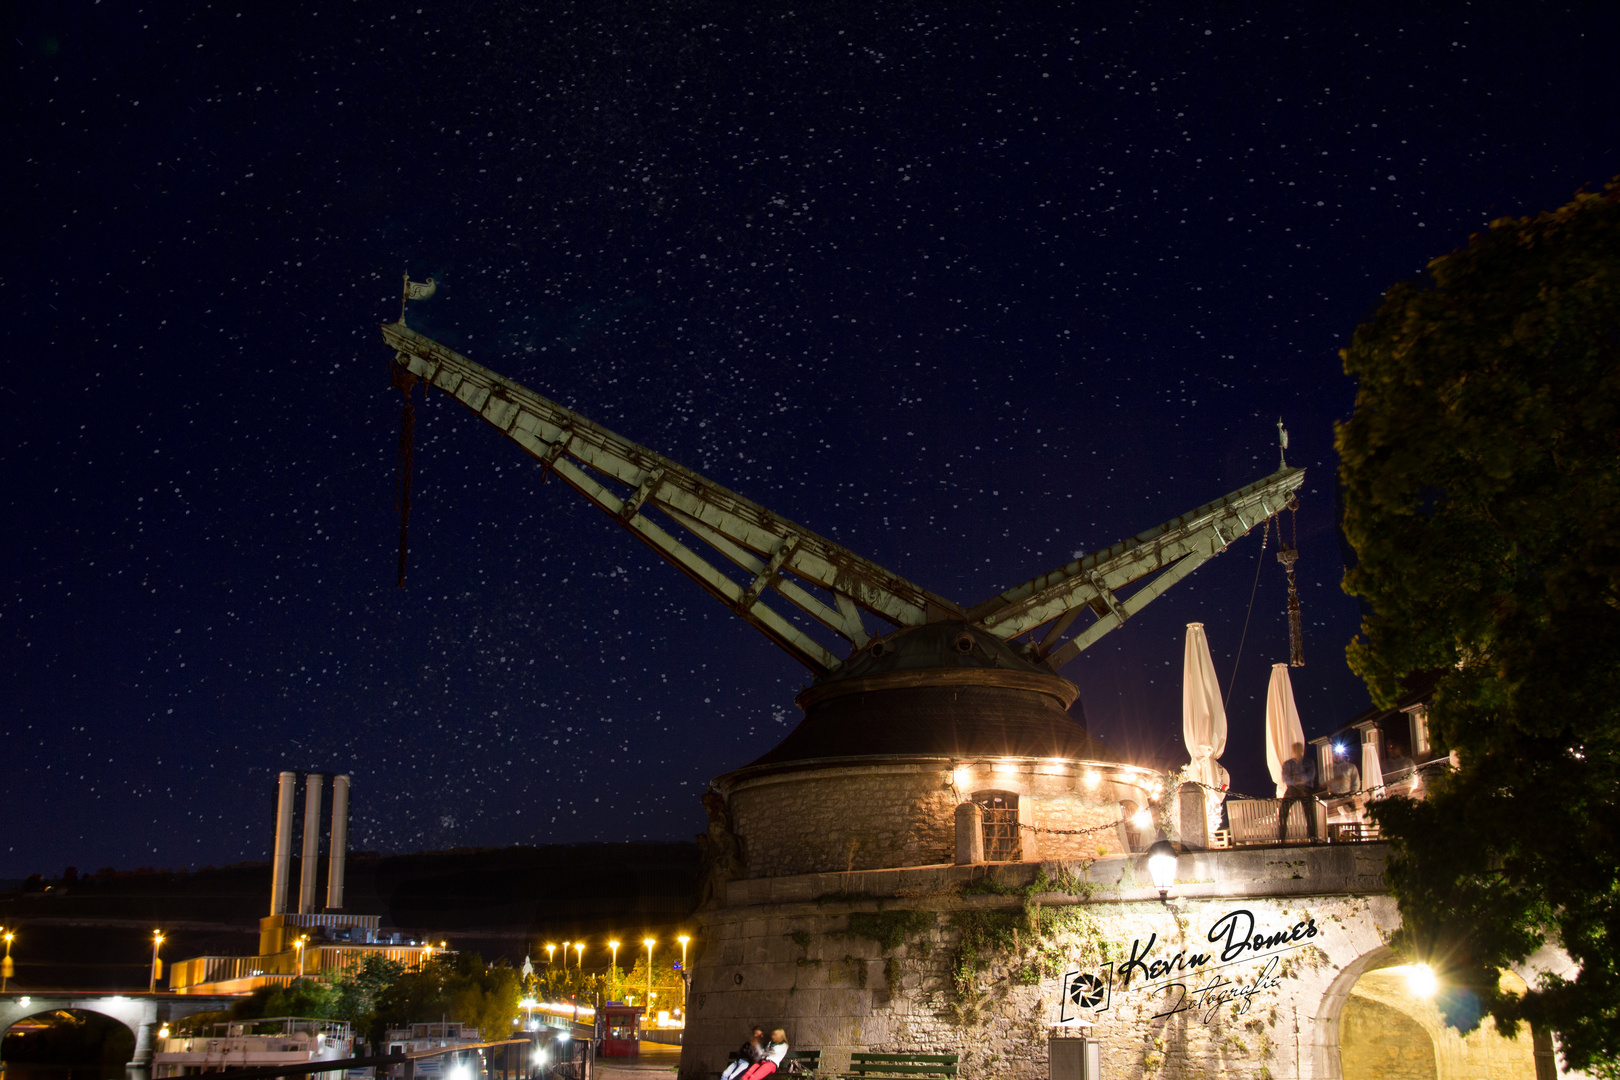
column 794, row 563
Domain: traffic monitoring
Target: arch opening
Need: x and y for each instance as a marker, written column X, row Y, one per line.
column 1380, row 1019
column 67, row 1044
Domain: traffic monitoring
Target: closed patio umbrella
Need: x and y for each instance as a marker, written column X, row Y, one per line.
column 1203, row 720
column 1283, row 729
column 1372, row 768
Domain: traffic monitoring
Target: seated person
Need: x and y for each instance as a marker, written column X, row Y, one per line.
column 775, row 1051
column 750, row 1053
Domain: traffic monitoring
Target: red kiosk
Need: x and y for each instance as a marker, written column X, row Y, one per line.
column 621, row 1029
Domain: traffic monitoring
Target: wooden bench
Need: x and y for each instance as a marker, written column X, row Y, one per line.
column 905, row 1065
column 800, row 1061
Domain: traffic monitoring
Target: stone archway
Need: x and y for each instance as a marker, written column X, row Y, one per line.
column 68, row 1044
column 1325, row 1050
column 1371, row 1024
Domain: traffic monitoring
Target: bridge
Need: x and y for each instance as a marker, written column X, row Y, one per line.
column 141, row 1012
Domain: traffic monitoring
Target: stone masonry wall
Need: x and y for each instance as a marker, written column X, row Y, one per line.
column 844, row 819
column 876, row 816
column 806, row 953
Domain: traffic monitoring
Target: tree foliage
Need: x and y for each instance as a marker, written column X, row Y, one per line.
column 1481, row 480
column 381, row 993
column 454, row 986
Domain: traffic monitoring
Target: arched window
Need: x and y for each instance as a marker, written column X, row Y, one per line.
column 1002, row 842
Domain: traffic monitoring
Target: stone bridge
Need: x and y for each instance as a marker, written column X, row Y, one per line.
column 142, row 1013
column 1265, row 963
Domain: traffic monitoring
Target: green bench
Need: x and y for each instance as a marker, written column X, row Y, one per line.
column 797, row 1061
column 903, row 1065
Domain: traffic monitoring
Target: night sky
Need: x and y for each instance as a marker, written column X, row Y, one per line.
column 969, row 288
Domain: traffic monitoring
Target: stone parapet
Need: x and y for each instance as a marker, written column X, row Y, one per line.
column 971, row 960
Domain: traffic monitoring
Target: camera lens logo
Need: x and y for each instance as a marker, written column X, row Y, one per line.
column 1085, row 991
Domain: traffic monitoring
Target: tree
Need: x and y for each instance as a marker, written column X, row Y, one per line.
column 458, row 986
column 1481, row 485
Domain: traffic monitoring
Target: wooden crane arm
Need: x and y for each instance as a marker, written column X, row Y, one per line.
column 775, row 551
column 1171, row 550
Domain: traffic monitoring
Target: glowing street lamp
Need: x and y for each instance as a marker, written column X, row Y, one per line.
column 157, row 964
column 5, row 965
column 1161, row 862
column 551, row 953
column 683, row 939
column 649, row 942
column 613, row 969
column 566, row 946
column 579, row 956
column 299, row 946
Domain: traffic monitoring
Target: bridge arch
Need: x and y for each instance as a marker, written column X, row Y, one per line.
column 89, row 1042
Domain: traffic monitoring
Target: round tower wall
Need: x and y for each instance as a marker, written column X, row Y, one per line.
column 891, row 815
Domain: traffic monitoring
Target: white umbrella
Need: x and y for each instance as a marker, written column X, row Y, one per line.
column 1203, row 720
column 1283, row 730
column 1372, row 769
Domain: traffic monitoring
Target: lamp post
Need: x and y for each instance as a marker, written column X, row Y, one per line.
column 551, row 954
column 566, row 946
column 1161, row 863
column 579, row 956
column 649, row 942
column 613, row 968
column 157, row 965
column 5, row 965
column 298, row 945
column 683, row 939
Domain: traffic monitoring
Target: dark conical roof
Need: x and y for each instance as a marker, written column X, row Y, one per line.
column 943, row 689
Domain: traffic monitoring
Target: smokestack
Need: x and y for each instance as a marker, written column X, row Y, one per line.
column 309, row 864
column 281, row 868
column 338, row 852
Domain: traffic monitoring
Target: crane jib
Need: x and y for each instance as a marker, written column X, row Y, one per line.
column 742, row 553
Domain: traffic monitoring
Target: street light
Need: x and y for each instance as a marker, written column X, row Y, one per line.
column 157, row 965
column 5, row 965
column 299, row 946
column 614, row 968
column 685, row 978
column 551, row 954
column 1161, row 863
column 566, row 946
column 579, row 956
column 649, row 942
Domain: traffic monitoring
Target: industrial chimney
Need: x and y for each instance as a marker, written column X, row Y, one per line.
column 281, row 868
column 338, row 851
column 309, row 861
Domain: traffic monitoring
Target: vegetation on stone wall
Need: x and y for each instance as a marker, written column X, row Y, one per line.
column 890, row 929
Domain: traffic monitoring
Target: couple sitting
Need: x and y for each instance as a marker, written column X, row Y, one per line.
column 757, row 1058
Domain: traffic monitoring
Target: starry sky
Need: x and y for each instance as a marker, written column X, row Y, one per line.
column 970, row 288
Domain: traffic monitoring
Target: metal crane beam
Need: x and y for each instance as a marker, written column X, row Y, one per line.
column 1171, row 550
column 779, row 554
column 771, row 548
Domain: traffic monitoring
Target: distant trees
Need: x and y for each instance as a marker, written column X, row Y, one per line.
column 1481, row 480
column 382, row 993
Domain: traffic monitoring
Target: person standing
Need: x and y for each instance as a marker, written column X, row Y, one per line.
column 1299, row 775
